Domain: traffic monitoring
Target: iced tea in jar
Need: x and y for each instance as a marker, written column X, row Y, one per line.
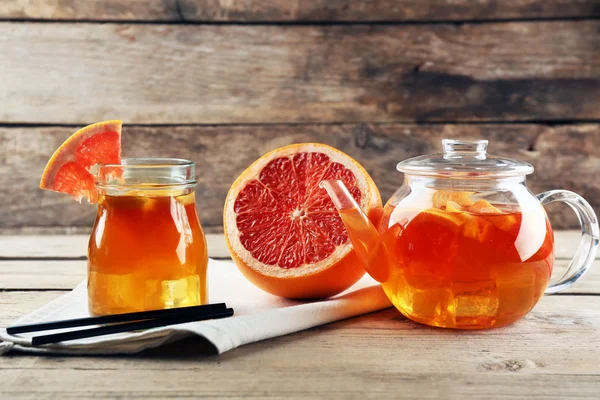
column 147, row 249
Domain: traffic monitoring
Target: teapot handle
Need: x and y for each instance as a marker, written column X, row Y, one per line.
column 586, row 251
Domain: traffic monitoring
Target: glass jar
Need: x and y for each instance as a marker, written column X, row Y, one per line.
column 147, row 249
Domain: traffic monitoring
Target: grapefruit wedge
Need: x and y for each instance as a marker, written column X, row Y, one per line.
column 283, row 231
column 68, row 170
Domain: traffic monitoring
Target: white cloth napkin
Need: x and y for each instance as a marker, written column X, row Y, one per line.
column 258, row 316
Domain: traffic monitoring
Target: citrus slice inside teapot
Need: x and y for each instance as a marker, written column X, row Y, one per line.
column 463, row 243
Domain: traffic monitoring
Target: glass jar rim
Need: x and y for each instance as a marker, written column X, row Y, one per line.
column 149, row 162
column 148, row 172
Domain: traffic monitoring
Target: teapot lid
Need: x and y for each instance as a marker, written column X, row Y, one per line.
column 464, row 158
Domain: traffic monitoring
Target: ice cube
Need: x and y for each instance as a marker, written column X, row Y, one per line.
column 516, row 291
column 452, row 206
column 476, row 227
column 474, row 301
column 180, row 292
column 432, row 304
column 440, row 197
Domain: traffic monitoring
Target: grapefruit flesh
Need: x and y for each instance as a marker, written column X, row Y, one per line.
column 68, row 170
column 284, row 232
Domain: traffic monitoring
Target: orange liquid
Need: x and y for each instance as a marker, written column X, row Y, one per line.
column 460, row 269
column 146, row 253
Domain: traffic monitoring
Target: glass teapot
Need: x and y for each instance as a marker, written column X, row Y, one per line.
column 463, row 243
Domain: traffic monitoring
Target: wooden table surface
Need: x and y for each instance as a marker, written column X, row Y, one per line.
column 553, row 353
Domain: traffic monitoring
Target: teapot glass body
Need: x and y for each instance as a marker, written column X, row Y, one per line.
column 466, row 254
column 463, row 243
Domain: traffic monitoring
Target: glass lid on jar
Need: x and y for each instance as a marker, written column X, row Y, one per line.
column 464, row 158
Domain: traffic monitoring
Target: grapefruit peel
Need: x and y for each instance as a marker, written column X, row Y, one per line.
column 70, row 169
column 325, row 277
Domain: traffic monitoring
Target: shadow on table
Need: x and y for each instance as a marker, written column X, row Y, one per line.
column 189, row 348
column 198, row 349
column 201, row 349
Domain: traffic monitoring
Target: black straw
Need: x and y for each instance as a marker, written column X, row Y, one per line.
column 128, row 326
column 127, row 317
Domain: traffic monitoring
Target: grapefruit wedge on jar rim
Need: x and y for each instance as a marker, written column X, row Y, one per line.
column 70, row 167
column 282, row 229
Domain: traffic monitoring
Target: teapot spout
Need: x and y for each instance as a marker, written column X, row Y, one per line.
column 363, row 235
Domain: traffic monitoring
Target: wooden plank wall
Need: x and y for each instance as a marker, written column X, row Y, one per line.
column 222, row 82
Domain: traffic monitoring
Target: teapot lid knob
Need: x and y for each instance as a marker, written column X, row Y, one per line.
column 455, row 148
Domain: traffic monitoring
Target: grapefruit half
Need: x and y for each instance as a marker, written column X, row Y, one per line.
column 283, row 231
column 68, row 170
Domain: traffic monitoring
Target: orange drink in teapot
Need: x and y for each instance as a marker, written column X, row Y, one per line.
column 463, row 243
column 463, row 268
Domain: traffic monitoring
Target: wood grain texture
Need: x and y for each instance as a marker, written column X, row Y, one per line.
column 57, row 275
column 296, row 10
column 66, row 274
column 565, row 157
column 71, row 247
column 383, row 10
column 182, row 74
column 350, row 383
column 74, row 247
column 551, row 353
column 90, row 10
column 14, row 305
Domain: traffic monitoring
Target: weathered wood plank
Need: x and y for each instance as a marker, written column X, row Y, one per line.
column 75, row 246
column 566, row 243
column 296, row 10
column 174, row 74
column 26, row 275
column 304, row 385
column 91, row 10
column 40, row 247
column 65, row 275
column 346, row 383
column 565, row 157
column 14, row 305
column 551, row 353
